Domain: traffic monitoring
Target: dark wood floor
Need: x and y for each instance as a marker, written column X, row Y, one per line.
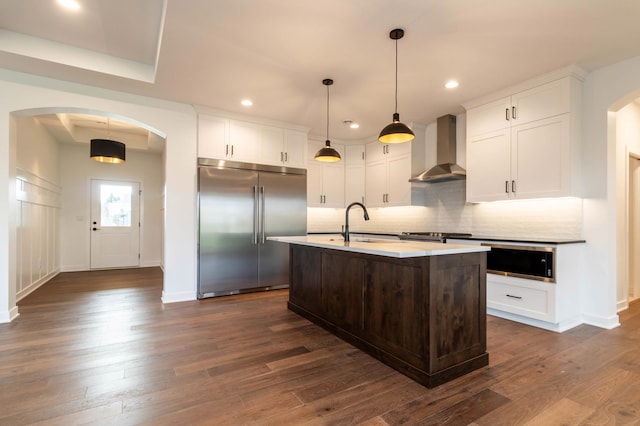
column 100, row 348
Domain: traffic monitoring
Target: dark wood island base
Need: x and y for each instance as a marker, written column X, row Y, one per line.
column 423, row 316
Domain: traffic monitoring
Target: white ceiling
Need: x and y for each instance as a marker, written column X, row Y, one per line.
column 216, row 52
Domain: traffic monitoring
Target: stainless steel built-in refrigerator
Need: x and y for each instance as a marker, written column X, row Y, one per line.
column 240, row 205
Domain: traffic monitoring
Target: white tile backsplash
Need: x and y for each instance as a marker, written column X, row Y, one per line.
column 445, row 210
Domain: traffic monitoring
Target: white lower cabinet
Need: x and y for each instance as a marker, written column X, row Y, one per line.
column 552, row 306
column 532, row 299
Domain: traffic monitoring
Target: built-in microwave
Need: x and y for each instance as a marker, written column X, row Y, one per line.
column 531, row 262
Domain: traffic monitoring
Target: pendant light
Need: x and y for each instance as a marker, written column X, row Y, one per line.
column 327, row 154
column 107, row 150
column 396, row 132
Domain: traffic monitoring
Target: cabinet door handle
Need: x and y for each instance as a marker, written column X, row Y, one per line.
column 514, row 297
column 286, row 157
column 363, row 155
column 363, row 199
column 506, row 186
column 506, row 114
column 232, row 150
column 281, row 156
column 226, row 150
column 513, row 186
column 513, row 112
column 321, row 199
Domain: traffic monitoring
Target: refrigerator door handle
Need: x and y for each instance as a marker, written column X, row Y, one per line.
column 262, row 224
column 255, row 214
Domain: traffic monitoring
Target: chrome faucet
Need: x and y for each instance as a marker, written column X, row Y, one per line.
column 346, row 219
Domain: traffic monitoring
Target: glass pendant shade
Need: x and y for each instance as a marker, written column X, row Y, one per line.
column 396, row 132
column 327, row 154
column 107, row 151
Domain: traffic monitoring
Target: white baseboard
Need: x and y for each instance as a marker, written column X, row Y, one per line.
column 10, row 315
column 557, row 327
column 602, row 322
column 182, row 296
column 73, row 268
column 35, row 285
column 150, row 264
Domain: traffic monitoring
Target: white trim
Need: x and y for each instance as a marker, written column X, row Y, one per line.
column 10, row 315
column 557, row 327
column 183, row 296
column 602, row 322
column 36, row 285
column 150, row 264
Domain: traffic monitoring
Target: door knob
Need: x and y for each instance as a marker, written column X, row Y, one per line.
column 96, row 229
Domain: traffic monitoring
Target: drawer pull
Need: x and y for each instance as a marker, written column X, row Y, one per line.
column 514, row 297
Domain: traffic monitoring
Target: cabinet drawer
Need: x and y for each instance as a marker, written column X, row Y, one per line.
column 527, row 301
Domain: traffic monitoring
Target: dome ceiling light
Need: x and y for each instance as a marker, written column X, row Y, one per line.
column 327, row 154
column 396, row 132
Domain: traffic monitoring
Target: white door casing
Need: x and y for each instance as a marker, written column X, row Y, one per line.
column 115, row 224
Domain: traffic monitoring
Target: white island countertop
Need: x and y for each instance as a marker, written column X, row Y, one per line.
column 381, row 247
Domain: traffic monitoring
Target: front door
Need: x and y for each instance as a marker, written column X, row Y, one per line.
column 115, row 224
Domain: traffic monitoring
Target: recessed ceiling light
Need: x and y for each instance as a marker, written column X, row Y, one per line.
column 451, row 84
column 69, row 4
column 351, row 124
column 246, row 102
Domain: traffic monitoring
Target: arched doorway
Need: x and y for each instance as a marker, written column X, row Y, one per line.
column 53, row 182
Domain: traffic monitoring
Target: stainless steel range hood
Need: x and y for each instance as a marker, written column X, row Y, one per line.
column 446, row 169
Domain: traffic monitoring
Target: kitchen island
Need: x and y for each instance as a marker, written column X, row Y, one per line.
column 419, row 307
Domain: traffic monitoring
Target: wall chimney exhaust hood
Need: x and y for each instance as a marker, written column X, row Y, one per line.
column 446, row 169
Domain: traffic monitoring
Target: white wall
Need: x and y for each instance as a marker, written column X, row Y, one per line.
column 26, row 95
column 627, row 142
column 77, row 171
column 606, row 91
column 38, row 206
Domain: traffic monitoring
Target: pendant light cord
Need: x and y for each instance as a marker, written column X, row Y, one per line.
column 395, row 110
column 327, row 112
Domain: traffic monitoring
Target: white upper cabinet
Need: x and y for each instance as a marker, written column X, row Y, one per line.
column 526, row 145
column 282, row 147
column 388, row 170
column 355, row 154
column 354, row 183
column 546, row 100
column 228, row 139
column 375, row 151
column 295, row 148
column 271, row 145
column 213, row 137
column 244, row 140
column 354, row 174
column 325, row 181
